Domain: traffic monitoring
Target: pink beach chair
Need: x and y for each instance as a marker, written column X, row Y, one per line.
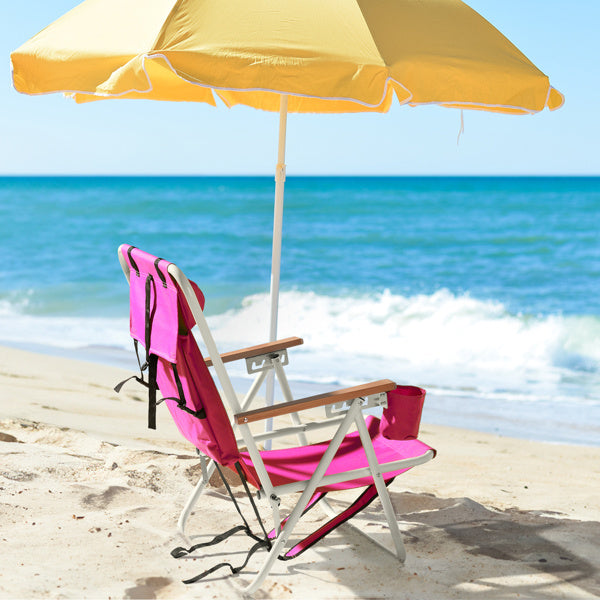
column 362, row 453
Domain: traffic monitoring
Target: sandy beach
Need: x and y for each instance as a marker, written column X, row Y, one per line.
column 90, row 501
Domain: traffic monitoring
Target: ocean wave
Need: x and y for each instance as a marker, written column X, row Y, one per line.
column 454, row 340
column 442, row 341
column 19, row 326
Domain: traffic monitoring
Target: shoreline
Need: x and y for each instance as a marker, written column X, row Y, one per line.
column 78, row 394
column 557, row 424
column 490, row 515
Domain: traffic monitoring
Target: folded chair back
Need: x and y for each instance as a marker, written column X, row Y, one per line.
column 161, row 321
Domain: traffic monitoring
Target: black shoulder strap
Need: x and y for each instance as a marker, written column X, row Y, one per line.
column 151, row 361
column 261, row 542
column 181, row 403
column 132, row 261
column 365, row 498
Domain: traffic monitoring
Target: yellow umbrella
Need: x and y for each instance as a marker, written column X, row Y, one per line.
column 334, row 56
column 328, row 56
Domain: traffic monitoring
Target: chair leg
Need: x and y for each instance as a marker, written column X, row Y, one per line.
column 196, row 492
column 382, row 490
column 331, row 512
column 276, row 548
column 388, row 510
column 306, row 495
column 292, row 521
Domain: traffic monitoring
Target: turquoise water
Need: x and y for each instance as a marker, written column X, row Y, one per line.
column 485, row 290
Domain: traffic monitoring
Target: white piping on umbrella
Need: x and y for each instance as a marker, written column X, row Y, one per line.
column 408, row 100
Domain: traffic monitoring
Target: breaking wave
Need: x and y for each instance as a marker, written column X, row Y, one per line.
column 442, row 341
column 445, row 340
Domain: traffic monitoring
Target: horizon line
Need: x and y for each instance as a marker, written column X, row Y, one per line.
column 299, row 175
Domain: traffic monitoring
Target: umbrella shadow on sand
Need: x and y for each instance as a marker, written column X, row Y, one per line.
column 519, row 542
column 457, row 548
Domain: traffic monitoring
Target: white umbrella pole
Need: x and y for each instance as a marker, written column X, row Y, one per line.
column 276, row 256
column 278, row 218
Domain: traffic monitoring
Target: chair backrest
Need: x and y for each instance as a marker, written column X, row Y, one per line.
column 161, row 320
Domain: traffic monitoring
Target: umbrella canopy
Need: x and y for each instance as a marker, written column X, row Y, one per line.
column 290, row 55
column 334, row 56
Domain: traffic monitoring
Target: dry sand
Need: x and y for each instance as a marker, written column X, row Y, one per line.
column 90, row 500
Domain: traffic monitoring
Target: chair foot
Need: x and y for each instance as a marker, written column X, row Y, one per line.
column 400, row 556
column 196, row 493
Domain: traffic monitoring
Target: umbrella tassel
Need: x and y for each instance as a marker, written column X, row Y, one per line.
column 462, row 127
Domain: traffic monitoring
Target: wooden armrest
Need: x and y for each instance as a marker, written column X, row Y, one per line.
column 285, row 408
column 258, row 350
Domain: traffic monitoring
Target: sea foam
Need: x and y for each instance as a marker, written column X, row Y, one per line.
column 452, row 341
column 443, row 341
column 19, row 326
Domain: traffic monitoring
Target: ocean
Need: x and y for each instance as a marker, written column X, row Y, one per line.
column 483, row 290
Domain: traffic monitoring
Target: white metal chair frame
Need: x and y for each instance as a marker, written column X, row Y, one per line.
column 272, row 356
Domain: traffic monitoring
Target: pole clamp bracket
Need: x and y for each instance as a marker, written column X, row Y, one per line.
column 264, row 362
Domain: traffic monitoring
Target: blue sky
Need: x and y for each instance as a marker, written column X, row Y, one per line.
column 52, row 135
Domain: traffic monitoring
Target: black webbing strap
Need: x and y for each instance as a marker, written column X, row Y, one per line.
column 151, row 362
column 152, row 387
column 260, row 542
column 151, row 359
column 238, row 468
column 139, row 379
column 234, row 570
column 131, row 261
column 159, row 272
column 199, row 414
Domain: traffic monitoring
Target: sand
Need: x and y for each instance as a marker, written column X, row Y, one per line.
column 90, row 500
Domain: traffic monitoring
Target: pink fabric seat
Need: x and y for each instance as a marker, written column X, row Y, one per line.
column 289, row 465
